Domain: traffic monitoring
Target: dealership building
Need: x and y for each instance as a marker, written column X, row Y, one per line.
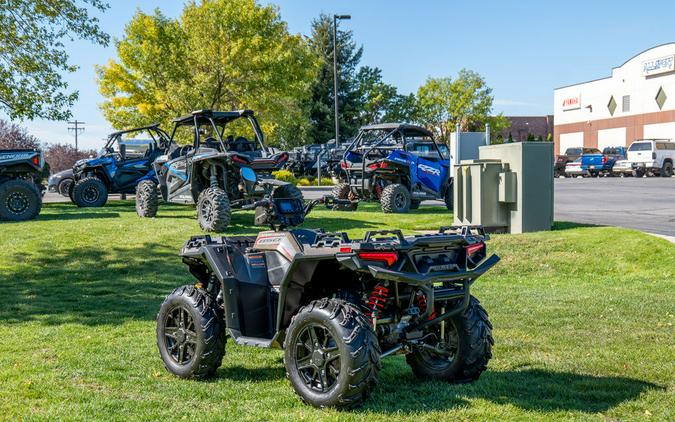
column 636, row 101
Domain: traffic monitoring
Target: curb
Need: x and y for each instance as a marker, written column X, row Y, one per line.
column 663, row 236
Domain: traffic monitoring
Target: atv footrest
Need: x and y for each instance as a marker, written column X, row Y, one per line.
column 253, row 341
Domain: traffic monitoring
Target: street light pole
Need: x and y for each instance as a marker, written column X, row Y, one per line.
column 335, row 77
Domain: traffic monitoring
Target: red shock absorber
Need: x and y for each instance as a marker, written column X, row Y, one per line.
column 376, row 300
column 378, row 190
column 422, row 303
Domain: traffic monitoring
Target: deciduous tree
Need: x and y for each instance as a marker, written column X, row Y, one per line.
column 467, row 101
column 33, row 56
column 13, row 136
column 221, row 55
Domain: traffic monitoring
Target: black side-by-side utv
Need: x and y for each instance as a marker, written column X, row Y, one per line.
column 336, row 306
column 21, row 189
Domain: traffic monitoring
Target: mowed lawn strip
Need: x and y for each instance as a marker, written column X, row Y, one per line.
column 583, row 324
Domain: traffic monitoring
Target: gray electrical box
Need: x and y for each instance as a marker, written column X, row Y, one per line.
column 508, row 189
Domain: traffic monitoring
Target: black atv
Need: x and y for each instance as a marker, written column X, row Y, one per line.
column 21, row 188
column 215, row 172
column 336, row 306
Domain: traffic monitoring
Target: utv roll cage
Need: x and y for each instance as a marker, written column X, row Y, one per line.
column 220, row 119
column 390, row 131
column 158, row 136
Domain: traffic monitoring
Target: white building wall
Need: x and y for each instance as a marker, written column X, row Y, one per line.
column 660, row 130
column 611, row 138
column 571, row 140
column 627, row 79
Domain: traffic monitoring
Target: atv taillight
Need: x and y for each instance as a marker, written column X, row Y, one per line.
column 346, row 249
column 36, row 160
column 388, row 257
column 380, row 165
column 604, row 159
column 472, row 249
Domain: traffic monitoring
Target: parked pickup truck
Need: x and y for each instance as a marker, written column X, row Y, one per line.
column 599, row 164
column 652, row 157
column 571, row 154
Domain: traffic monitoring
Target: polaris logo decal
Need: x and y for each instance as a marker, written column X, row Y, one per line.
column 17, row 156
column 429, row 170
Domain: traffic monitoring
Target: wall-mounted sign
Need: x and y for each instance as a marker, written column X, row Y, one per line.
column 658, row 66
column 571, row 103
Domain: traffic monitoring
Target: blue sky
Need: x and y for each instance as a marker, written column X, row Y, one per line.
column 524, row 49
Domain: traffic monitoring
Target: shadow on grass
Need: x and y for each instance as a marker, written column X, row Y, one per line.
column 77, row 216
column 531, row 389
column 91, row 285
column 567, row 225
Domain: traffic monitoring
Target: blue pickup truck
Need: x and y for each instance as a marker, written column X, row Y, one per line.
column 602, row 164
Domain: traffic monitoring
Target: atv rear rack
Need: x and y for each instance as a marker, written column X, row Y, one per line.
column 434, row 277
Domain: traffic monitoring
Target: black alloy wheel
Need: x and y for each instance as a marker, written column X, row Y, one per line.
column 17, row 202
column 180, row 336
column 317, row 358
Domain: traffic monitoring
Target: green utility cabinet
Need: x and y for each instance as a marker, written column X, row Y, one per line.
column 508, row 189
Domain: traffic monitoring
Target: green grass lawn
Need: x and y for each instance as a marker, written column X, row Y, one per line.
column 583, row 324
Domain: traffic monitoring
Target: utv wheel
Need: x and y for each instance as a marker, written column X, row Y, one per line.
column 64, row 187
column 190, row 333
column 449, row 200
column 395, row 199
column 667, row 170
column 90, row 192
column 415, row 204
column 19, row 200
column 288, row 191
column 341, row 191
column 147, row 200
column 463, row 354
column 331, row 355
column 213, row 210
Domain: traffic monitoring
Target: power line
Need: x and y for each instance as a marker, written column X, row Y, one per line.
column 77, row 128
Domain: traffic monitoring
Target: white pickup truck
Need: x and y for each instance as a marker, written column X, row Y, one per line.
column 652, row 157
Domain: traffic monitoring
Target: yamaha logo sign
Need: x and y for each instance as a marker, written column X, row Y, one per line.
column 571, row 103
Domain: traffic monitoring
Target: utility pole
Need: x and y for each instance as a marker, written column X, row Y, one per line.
column 76, row 128
column 335, row 76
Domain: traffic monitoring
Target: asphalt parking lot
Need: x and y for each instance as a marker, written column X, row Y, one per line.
column 646, row 204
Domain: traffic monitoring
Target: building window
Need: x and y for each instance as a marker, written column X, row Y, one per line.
column 625, row 107
column 661, row 98
column 611, row 105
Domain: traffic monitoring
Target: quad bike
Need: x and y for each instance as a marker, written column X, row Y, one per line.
column 215, row 173
column 335, row 306
column 399, row 165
